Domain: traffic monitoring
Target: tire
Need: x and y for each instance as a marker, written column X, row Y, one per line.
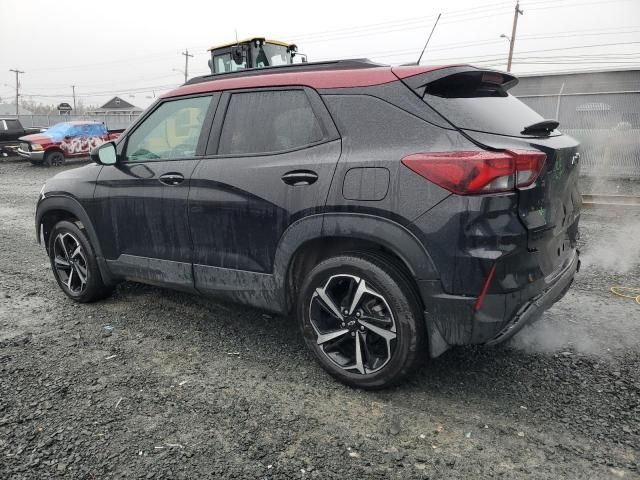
column 54, row 158
column 72, row 260
column 386, row 323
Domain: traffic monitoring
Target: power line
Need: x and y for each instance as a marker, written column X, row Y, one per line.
column 454, row 16
column 413, row 52
column 420, row 23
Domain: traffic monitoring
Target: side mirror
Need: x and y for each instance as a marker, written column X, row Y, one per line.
column 105, row 154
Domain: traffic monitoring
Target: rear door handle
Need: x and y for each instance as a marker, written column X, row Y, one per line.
column 300, row 177
column 171, row 178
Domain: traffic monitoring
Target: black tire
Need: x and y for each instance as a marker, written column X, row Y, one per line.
column 54, row 158
column 68, row 243
column 390, row 294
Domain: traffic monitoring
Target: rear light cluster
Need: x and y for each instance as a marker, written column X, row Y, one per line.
column 467, row 173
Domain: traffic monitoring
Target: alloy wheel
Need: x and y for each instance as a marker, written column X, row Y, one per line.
column 354, row 324
column 56, row 159
column 70, row 262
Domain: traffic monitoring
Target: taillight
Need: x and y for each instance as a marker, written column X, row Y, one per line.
column 466, row 173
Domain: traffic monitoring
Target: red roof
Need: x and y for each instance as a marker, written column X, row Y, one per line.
column 361, row 77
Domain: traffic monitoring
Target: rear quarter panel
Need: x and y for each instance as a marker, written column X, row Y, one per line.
column 377, row 134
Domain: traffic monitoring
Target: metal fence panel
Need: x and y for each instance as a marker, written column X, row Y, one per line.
column 607, row 125
column 113, row 121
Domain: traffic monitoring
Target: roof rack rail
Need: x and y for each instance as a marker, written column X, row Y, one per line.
column 350, row 64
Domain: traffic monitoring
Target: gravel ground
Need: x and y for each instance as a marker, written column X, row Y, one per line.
column 184, row 387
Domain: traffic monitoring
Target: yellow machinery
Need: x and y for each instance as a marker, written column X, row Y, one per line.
column 252, row 53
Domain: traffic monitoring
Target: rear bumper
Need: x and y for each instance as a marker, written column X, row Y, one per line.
column 533, row 309
column 452, row 320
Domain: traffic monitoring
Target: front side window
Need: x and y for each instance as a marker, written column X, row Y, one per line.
column 95, row 130
column 75, row 131
column 171, row 132
column 12, row 125
column 267, row 122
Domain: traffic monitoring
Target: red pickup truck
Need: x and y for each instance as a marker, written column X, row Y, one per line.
column 65, row 140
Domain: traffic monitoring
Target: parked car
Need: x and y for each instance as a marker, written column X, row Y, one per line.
column 65, row 140
column 394, row 211
column 11, row 130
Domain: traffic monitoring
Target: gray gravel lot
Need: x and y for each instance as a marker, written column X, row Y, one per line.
column 185, row 387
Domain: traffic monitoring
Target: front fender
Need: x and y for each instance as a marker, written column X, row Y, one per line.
column 69, row 204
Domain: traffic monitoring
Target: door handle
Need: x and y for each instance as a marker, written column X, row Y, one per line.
column 300, row 177
column 171, row 178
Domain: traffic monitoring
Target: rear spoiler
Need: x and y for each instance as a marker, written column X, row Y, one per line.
column 418, row 83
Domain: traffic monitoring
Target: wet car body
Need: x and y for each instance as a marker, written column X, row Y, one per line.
column 247, row 227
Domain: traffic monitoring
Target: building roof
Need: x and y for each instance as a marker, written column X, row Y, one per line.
column 340, row 74
column 117, row 103
column 603, row 81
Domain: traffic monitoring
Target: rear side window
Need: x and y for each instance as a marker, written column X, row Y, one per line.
column 267, row 122
column 476, row 101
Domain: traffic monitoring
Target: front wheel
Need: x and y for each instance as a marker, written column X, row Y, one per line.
column 362, row 320
column 74, row 264
column 54, row 158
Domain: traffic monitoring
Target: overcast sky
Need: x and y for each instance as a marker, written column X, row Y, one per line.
column 132, row 48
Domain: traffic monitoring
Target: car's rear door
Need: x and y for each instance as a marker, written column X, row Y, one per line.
column 140, row 204
column 270, row 161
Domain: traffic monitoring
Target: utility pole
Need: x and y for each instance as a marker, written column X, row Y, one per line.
column 512, row 41
column 186, row 63
column 73, row 88
column 17, row 72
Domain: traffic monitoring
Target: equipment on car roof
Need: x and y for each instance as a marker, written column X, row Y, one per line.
column 254, row 52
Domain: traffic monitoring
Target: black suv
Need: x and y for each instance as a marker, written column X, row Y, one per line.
column 395, row 211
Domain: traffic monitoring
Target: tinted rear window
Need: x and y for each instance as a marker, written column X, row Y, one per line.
column 270, row 121
column 472, row 101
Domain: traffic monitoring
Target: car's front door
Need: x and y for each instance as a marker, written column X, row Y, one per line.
column 141, row 201
column 270, row 161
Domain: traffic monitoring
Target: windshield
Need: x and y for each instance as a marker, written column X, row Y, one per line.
column 271, row 55
column 59, row 129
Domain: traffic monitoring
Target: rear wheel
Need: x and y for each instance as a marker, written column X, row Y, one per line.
column 74, row 264
column 362, row 320
column 54, row 158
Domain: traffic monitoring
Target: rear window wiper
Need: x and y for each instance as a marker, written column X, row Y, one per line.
column 545, row 127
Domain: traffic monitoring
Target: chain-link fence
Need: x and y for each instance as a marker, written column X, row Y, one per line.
column 599, row 109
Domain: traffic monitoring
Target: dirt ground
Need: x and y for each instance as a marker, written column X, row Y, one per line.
column 179, row 386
